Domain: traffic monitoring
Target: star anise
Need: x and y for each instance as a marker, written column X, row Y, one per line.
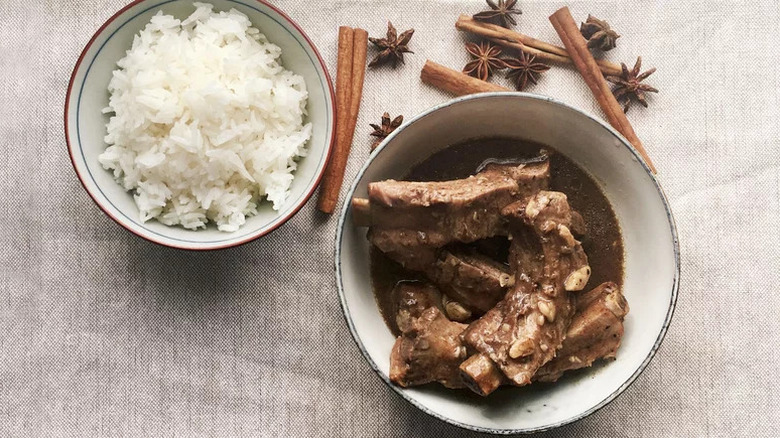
column 500, row 13
column 598, row 33
column 629, row 84
column 486, row 60
column 392, row 47
column 385, row 129
column 524, row 69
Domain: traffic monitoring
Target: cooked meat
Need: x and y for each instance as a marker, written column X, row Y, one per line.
column 462, row 210
column 584, row 299
column 410, row 220
column 595, row 332
column 481, row 375
column 524, row 331
column 430, row 347
column 578, row 226
column 413, row 298
column 361, row 212
column 501, row 252
column 414, row 250
column 474, row 280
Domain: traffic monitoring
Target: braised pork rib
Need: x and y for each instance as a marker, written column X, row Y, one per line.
column 481, row 323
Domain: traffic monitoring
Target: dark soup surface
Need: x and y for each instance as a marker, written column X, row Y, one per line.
column 603, row 243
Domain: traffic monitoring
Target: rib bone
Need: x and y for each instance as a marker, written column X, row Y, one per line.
column 544, row 254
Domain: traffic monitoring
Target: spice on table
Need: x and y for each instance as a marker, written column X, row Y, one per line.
column 629, row 84
column 455, row 82
column 514, row 40
column 500, row 12
column 577, row 47
column 386, row 128
column 486, row 60
column 350, row 71
column 392, row 47
column 598, row 33
column 524, row 69
column 359, row 53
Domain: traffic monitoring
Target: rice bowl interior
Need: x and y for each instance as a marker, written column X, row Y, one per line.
column 206, row 122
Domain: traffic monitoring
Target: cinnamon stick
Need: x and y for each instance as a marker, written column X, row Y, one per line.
column 455, row 82
column 360, row 49
column 350, row 71
column 576, row 45
column 518, row 41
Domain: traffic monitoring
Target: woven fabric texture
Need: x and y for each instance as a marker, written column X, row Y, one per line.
column 105, row 335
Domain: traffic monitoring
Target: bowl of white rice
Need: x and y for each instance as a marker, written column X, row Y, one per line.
column 200, row 125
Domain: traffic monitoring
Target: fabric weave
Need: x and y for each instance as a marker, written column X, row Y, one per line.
column 103, row 334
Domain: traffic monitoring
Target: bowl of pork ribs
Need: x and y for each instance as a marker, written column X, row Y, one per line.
column 507, row 263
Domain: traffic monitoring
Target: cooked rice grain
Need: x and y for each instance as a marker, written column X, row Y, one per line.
column 206, row 122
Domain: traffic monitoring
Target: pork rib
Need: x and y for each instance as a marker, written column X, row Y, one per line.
column 475, row 280
column 524, row 331
column 480, row 374
column 595, row 333
column 413, row 298
column 461, row 210
column 430, row 347
column 411, row 220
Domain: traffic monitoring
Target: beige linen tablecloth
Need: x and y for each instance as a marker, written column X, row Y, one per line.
column 103, row 334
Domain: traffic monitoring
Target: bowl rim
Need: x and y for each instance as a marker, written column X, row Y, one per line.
column 203, row 246
column 401, row 391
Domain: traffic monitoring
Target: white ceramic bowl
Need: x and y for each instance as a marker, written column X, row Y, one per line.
column 88, row 95
column 651, row 255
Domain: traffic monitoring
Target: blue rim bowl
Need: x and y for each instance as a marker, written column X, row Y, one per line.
column 85, row 124
column 652, row 259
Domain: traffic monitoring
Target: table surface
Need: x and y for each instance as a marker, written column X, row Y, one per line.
column 104, row 334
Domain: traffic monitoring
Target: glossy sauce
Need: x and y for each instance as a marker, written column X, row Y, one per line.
column 603, row 244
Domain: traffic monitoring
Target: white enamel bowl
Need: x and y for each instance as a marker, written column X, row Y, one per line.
column 651, row 259
column 88, row 95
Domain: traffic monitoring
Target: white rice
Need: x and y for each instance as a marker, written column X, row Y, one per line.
column 206, row 122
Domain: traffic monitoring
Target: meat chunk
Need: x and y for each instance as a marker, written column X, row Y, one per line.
column 481, row 375
column 413, row 298
column 524, row 330
column 361, row 212
column 595, row 332
column 430, row 351
column 578, row 225
column 462, row 210
column 430, row 347
column 414, row 250
column 411, row 220
column 474, row 280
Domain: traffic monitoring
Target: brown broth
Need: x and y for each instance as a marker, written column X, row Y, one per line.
column 603, row 244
